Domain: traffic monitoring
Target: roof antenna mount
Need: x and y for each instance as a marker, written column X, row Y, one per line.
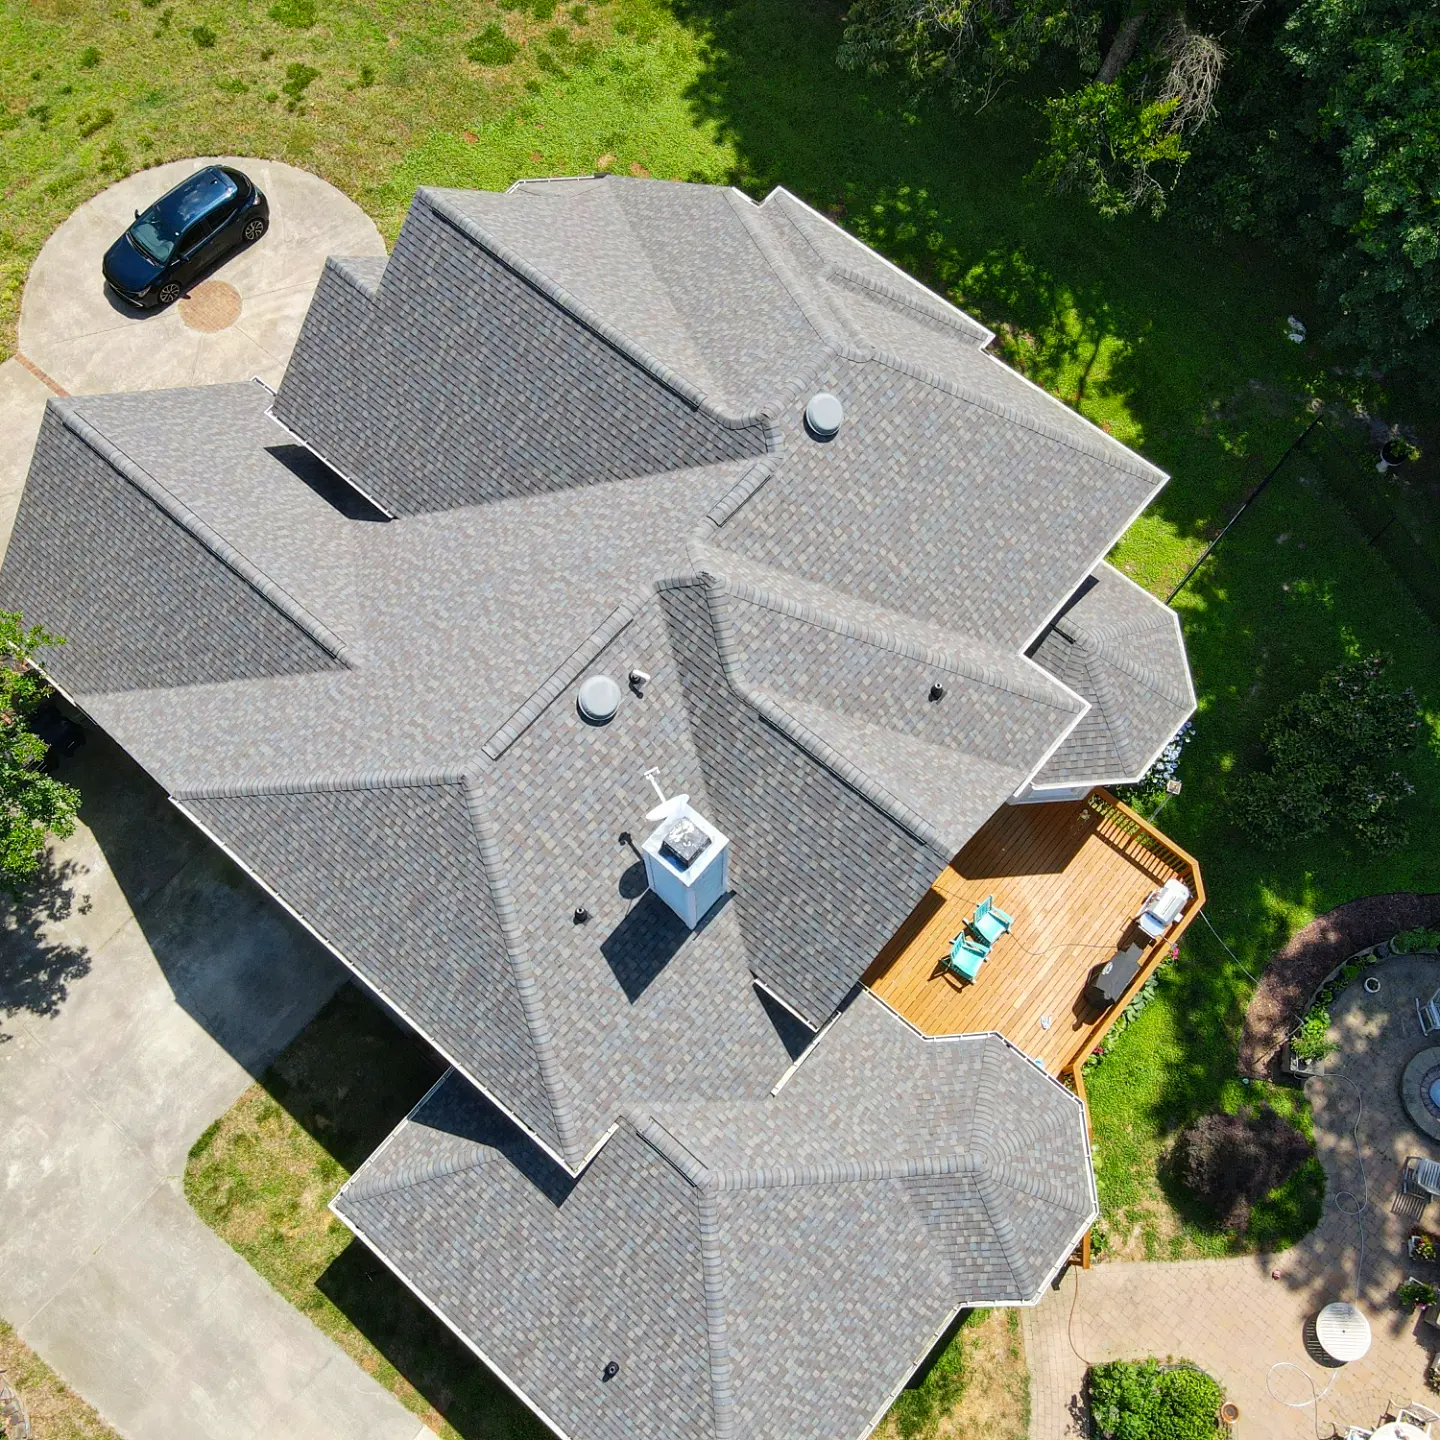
column 666, row 809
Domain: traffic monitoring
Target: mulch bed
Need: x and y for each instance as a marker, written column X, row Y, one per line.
column 1299, row 966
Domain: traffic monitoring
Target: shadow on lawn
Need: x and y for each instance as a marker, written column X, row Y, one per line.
column 348, row 1079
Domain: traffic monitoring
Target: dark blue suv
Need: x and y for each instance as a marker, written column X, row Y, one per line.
column 183, row 233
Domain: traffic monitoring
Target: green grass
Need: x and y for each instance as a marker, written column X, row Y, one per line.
column 262, row 1178
column 56, row 1412
column 1173, row 344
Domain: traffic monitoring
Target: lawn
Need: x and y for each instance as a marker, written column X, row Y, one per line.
column 56, row 1411
column 263, row 1175
column 1174, row 344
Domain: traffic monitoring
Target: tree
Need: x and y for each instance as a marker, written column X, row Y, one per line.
column 1307, row 123
column 1331, row 762
column 33, row 805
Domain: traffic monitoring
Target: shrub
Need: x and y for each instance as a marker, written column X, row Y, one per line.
column 1309, row 1041
column 1141, row 1400
column 1330, row 762
column 1409, row 941
column 298, row 78
column 204, row 37
column 293, row 14
column 1232, row 1161
column 492, row 46
column 89, row 58
column 1411, row 1293
column 1152, row 784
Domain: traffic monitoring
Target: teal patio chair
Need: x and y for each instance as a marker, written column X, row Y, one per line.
column 966, row 957
column 989, row 923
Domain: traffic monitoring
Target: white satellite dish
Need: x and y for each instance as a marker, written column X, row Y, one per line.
column 667, row 809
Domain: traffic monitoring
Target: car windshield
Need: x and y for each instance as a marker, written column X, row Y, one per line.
column 157, row 232
column 154, row 236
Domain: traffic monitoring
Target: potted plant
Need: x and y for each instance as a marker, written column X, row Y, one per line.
column 1309, row 1045
column 1423, row 1247
column 1412, row 1292
column 1397, row 450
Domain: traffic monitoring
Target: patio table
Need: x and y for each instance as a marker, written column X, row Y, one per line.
column 1399, row 1430
column 1343, row 1332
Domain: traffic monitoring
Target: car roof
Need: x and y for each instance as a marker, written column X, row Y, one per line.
column 194, row 197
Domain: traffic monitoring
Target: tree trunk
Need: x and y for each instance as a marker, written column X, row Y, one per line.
column 1122, row 48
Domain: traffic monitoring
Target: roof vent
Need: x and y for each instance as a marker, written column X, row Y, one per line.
column 823, row 415
column 598, row 700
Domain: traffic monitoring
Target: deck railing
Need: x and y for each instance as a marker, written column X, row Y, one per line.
column 1103, row 804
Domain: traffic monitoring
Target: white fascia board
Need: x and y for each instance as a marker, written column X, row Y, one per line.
column 450, row 1325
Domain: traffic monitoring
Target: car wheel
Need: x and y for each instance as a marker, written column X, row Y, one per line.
column 170, row 292
column 254, row 229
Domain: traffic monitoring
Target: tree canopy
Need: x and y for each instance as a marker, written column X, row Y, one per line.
column 1307, row 123
column 33, row 805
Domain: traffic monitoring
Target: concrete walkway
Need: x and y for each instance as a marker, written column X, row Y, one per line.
column 239, row 321
column 1230, row 1316
column 139, row 996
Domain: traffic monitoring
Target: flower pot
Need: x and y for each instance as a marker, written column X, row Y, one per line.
column 1293, row 1064
column 1229, row 1413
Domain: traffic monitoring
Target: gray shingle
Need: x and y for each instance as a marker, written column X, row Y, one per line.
column 1121, row 649
column 787, row 1259
column 155, row 606
column 458, row 383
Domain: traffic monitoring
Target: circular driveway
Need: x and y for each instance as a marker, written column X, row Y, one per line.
column 241, row 320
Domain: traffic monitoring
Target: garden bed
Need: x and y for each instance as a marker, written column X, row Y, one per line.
column 1315, row 953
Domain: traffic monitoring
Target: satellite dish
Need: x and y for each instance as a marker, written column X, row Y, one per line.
column 667, row 809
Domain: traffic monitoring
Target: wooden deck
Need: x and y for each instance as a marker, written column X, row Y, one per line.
column 1073, row 877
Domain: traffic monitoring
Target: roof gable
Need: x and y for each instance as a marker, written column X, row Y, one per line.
column 461, row 381
column 164, row 601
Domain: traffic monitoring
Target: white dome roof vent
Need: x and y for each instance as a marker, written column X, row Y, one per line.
column 598, row 700
column 823, row 415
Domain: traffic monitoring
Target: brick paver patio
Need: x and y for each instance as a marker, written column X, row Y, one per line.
column 1229, row 1315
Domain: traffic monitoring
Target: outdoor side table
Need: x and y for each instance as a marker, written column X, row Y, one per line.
column 1343, row 1332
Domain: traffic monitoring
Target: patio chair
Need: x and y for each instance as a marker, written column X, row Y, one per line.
column 989, row 923
column 1358, row 1432
column 966, row 957
column 1420, row 1177
column 1428, row 1014
column 1420, row 1416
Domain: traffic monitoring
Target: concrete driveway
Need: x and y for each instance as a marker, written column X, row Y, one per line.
column 239, row 321
column 139, row 994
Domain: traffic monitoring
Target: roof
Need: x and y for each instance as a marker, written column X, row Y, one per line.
column 767, row 1267
column 1120, row 648
column 582, row 400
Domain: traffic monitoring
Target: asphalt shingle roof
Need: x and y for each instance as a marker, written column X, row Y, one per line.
column 1120, row 648
column 582, row 404
column 764, row 1268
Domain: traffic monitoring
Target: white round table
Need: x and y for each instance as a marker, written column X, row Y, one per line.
column 1343, row 1332
column 1398, row 1430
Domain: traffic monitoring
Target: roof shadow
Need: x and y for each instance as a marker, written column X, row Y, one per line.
column 339, row 494
column 644, row 943
column 795, row 1035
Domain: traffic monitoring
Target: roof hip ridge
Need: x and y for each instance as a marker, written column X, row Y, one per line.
column 939, row 311
column 725, row 1179
column 1120, row 458
column 536, row 278
column 326, row 784
column 526, row 986
column 802, row 736
column 809, row 614
column 214, row 543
